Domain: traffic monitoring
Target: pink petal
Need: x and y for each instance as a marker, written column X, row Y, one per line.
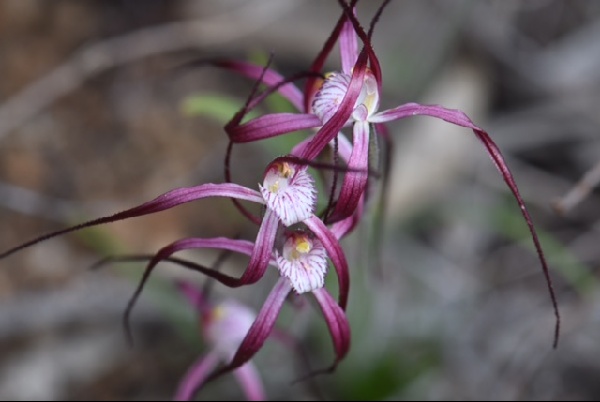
column 414, row 109
column 260, row 330
column 348, row 47
column 338, row 325
column 240, row 246
column 345, row 226
column 355, row 183
column 263, row 249
column 319, row 61
column 195, row 377
column 161, row 203
column 261, row 256
column 336, row 254
column 261, row 252
column 265, row 321
column 373, row 60
column 270, row 78
column 460, row 119
column 272, row 125
column 249, row 379
column 333, row 126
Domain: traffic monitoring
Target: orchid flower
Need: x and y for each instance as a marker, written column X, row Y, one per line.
column 234, row 333
column 351, row 97
column 319, row 113
column 224, row 326
column 289, row 194
column 302, row 264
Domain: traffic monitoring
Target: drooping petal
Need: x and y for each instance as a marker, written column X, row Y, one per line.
column 289, row 191
column 260, row 330
column 333, row 126
column 348, row 47
column 262, row 327
column 241, row 246
column 304, row 262
column 262, row 253
column 269, row 77
column 263, row 249
column 161, row 203
column 250, row 381
column 222, row 243
column 195, row 377
column 355, row 182
column 272, row 125
column 338, row 325
column 460, row 119
column 336, row 254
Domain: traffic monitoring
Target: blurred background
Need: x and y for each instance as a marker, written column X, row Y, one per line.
column 448, row 300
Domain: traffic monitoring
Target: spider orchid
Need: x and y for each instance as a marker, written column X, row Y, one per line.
column 302, row 265
column 351, row 97
column 329, row 122
column 287, row 192
column 301, row 280
column 224, row 326
column 279, row 123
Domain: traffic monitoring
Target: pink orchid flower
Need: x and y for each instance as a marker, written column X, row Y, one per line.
column 302, row 262
column 351, row 97
column 302, row 265
column 287, row 192
column 224, row 326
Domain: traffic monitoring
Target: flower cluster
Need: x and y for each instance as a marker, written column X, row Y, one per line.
column 292, row 236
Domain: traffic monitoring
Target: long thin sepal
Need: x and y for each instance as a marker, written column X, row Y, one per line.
column 160, row 203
